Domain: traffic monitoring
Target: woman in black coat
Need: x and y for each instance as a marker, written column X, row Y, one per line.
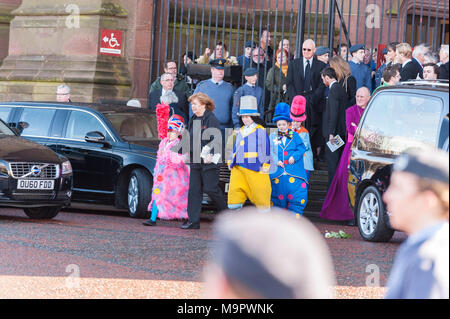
column 345, row 78
column 204, row 174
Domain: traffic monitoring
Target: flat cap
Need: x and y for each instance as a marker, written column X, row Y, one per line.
column 357, row 47
column 322, row 50
column 250, row 44
column 250, row 72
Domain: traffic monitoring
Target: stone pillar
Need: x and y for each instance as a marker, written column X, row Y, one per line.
column 6, row 6
column 58, row 41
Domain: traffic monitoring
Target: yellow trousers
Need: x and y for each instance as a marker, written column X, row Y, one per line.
column 245, row 183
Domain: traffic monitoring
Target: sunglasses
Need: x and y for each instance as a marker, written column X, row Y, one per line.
column 305, row 49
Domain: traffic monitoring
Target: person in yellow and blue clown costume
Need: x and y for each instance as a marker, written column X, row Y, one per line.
column 288, row 178
column 250, row 161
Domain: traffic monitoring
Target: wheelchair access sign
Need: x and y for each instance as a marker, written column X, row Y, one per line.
column 111, row 42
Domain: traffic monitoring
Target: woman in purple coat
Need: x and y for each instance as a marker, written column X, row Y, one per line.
column 336, row 206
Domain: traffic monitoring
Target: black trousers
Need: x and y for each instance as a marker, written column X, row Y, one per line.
column 332, row 159
column 204, row 179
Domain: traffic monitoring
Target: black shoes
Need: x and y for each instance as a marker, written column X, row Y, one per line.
column 190, row 225
column 149, row 223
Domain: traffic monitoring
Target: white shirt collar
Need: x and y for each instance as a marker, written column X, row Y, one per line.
column 310, row 61
column 216, row 82
column 404, row 63
column 331, row 84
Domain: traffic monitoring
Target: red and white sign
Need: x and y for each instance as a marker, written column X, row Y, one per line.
column 111, row 42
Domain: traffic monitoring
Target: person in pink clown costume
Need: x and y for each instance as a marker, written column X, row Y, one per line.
column 336, row 205
column 171, row 177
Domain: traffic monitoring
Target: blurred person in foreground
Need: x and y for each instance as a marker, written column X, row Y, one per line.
column 418, row 202
column 277, row 257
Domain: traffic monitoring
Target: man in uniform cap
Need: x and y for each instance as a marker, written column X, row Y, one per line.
column 246, row 59
column 323, row 54
column 418, row 203
column 220, row 92
column 259, row 255
column 250, row 87
column 360, row 71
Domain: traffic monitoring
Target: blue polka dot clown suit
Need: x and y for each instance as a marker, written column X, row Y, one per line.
column 288, row 179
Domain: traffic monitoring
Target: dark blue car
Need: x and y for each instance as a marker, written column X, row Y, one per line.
column 112, row 148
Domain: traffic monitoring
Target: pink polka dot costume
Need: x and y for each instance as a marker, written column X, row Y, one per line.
column 170, row 179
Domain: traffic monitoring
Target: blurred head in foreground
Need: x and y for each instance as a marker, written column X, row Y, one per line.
column 268, row 255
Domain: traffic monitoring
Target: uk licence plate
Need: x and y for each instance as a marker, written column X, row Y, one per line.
column 35, row 184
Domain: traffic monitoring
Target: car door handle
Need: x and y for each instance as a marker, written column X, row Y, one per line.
column 66, row 150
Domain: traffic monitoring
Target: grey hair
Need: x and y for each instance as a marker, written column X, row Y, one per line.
column 63, row 87
column 444, row 48
column 432, row 56
column 169, row 98
column 420, row 49
column 165, row 75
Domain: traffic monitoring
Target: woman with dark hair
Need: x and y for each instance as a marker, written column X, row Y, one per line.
column 345, row 78
column 204, row 172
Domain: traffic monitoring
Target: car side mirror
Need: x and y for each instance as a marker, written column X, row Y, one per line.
column 96, row 137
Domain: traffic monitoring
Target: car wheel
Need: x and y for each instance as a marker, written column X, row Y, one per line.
column 42, row 212
column 139, row 193
column 372, row 218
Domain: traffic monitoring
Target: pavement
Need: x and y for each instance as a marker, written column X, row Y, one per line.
column 85, row 254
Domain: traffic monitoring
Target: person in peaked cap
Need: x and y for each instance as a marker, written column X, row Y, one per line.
column 246, row 59
column 323, row 54
column 274, row 258
column 250, row 161
column 379, row 73
column 250, row 87
column 418, row 203
column 220, row 92
column 170, row 166
column 360, row 71
column 288, row 175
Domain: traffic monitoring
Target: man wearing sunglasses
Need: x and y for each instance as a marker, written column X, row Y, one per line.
column 303, row 78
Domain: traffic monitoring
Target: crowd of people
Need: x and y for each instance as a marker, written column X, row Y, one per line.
column 315, row 101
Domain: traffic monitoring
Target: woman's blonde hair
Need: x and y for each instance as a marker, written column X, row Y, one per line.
column 341, row 67
column 204, row 99
column 404, row 49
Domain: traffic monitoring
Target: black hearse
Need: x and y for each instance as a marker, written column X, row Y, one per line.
column 412, row 114
column 32, row 176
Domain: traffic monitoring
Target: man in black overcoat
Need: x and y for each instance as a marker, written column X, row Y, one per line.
column 333, row 119
column 303, row 78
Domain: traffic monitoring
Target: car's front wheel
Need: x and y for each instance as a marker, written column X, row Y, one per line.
column 139, row 193
column 372, row 218
column 42, row 212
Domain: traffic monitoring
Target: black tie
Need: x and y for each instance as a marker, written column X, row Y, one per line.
column 307, row 76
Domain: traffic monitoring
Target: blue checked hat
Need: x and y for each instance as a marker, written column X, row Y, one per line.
column 248, row 106
column 282, row 112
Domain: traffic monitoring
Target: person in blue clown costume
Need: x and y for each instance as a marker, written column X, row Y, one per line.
column 288, row 178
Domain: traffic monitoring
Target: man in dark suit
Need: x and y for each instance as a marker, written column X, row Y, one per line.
column 303, row 78
column 444, row 67
column 176, row 99
column 333, row 119
column 410, row 69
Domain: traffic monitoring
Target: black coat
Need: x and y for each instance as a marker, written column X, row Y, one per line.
column 443, row 71
column 295, row 82
column 411, row 70
column 351, row 90
column 180, row 108
column 207, row 121
column 334, row 113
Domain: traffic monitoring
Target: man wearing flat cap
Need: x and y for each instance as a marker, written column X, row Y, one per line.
column 360, row 71
column 250, row 87
column 418, row 203
column 323, row 54
column 246, row 59
column 220, row 92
